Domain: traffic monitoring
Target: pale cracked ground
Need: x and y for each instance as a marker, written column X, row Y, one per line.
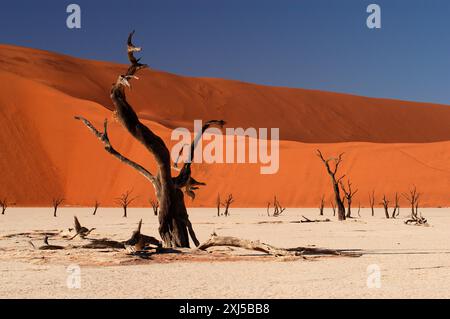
column 414, row 261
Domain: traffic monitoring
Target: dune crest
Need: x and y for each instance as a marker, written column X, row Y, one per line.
column 390, row 145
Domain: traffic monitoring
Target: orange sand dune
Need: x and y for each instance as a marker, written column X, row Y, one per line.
column 390, row 145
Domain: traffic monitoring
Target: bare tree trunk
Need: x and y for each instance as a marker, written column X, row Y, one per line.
column 335, row 182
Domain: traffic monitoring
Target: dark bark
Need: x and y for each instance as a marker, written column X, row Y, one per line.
column 335, row 181
column 174, row 225
column 385, row 204
column 227, row 204
column 96, row 205
column 56, row 202
column 396, row 210
column 322, row 205
column 4, row 205
column 155, row 206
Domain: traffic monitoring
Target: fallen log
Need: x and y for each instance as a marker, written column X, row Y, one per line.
column 246, row 244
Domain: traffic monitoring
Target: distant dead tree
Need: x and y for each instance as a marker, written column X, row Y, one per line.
column 155, row 206
column 396, row 210
column 348, row 194
column 174, row 225
column 96, row 206
column 4, row 205
column 57, row 201
column 228, row 201
column 333, row 206
column 332, row 171
column 372, row 202
column 413, row 198
column 385, row 204
column 277, row 208
column 218, row 203
column 322, row 205
column 124, row 201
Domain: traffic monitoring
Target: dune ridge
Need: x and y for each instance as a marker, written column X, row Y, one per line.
column 390, row 145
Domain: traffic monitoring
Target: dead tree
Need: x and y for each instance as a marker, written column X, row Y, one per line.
column 277, row 208
column 227, row 204
column 96, row 206
column 372, row 202
column 385, row 204
column 57, row 201
column 174, row 225
column 333, row 206
column 413, row 199
column 322, row 205
column 218, row 203
column 155, row 206
column 124, row 201
column 4, row 205
column 396, row 210
column 416, row 218
column 348, row 195
column 332, row 171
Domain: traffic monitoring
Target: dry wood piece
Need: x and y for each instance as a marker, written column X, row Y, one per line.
column 277, row 208
column 56, row 202
column 139, row 242
column 4, row 205
column 155, row 206
column 80, row 230
column 372, row 202
column 385, row 204
column 307, row 220
column 228, row 201
column 322, row 205
column 124, row 201
column 348, row 194
column 174, row 225
column 96, row 206
column 332, row 171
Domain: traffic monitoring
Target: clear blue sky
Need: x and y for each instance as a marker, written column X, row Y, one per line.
column 317, row 44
